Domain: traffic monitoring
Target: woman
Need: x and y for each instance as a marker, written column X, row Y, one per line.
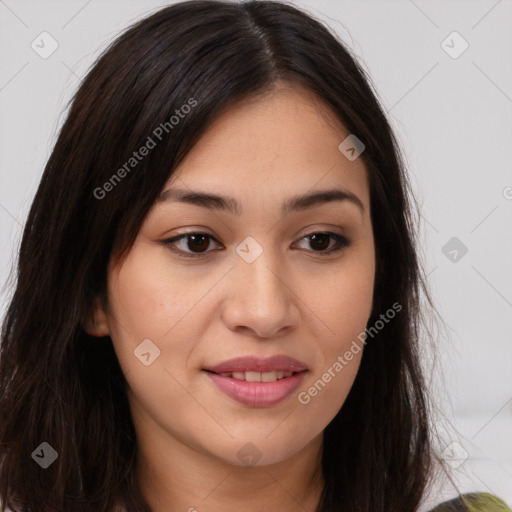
column 218, row 292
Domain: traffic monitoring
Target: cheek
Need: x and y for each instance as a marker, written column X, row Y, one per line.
column 342, row 298
column 342, row 303
column 340, row 347
column 149, row 301
column 148, row 310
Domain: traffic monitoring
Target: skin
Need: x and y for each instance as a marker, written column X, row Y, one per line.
column 291, row 300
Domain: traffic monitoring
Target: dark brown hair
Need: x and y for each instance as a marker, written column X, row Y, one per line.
column 62, row 386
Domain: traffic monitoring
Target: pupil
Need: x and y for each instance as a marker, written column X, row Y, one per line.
column 315, row 238
column 197, row 240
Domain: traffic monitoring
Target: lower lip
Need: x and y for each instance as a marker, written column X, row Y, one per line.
column 257, row 394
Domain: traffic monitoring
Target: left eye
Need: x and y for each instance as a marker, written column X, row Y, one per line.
column 197, row 243
column 320, row 238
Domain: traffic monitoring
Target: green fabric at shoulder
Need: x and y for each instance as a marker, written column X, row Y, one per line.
column 473, row 502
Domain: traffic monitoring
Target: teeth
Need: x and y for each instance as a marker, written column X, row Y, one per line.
column 253, row 376
column 269, row 376
column 258, row 376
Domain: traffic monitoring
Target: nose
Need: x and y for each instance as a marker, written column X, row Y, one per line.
column 259, row 299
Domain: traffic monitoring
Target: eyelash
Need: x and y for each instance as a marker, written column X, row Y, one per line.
column 342, row 242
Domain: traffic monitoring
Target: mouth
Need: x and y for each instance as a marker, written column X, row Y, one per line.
column 257, row 382
column 257, row 393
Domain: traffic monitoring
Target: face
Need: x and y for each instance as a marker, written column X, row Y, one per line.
column 285, row 290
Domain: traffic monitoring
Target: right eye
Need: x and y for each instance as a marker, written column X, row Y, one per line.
column 196, row 241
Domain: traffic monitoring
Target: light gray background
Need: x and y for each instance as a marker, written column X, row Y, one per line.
column 453, row 117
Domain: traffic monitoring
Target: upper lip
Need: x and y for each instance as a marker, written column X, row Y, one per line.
column 258, row 364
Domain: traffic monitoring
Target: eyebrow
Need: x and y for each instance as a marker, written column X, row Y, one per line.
column 231, row 205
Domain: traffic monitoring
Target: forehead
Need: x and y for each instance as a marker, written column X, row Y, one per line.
column 271, row 146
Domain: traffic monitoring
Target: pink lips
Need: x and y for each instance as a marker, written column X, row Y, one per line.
column 258, row 364
column 258, row 394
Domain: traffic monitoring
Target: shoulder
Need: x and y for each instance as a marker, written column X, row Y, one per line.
column 473, row 502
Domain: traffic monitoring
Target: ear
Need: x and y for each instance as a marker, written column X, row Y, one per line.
column 96, row 322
